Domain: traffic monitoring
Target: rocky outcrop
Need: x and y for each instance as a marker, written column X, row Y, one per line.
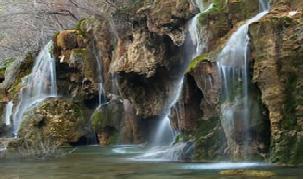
column 116, row 122
column 55, row 122
column 13, row 76
column 145, row 68
column 144, row 53
column 216, row 22
column 167, row 17
column 277, row 71
column 200, row 119
column 76, row 66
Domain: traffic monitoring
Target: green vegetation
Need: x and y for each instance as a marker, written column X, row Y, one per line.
column 5, row 64
column 250, row 173
column 25, row 69
column 99, row 120
column 196, row 61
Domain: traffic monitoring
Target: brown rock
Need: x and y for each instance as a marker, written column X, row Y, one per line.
column 277, row 53
column 55, row 121
column 67, row 39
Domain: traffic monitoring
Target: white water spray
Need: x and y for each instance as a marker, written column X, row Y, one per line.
column 37, row 86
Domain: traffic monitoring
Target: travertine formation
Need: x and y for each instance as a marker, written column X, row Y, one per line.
column 140, row 49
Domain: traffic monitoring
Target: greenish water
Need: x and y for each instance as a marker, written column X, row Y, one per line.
column 118, row 162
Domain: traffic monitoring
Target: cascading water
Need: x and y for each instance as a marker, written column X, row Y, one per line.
column 193, row 46
column 164, row 127
column 37, row 86
column 8, row 113
column 233, row 63
column 101, row 98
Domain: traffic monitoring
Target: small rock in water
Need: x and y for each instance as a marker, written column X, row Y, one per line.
column 252, row 173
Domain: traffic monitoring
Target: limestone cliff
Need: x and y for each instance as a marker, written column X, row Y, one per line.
column 277, row 71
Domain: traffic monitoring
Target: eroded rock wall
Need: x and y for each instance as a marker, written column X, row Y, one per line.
column 277, row 71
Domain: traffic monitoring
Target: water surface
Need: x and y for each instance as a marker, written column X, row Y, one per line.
column 116, row 162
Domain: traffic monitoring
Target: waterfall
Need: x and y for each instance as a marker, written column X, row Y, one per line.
column 233, row 64
column 8, row 113
column 162, row 149
column 192, row 47
column 165, row 134
column 38, row 85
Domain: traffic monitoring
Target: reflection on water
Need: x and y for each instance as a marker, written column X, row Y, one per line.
column 114, row 162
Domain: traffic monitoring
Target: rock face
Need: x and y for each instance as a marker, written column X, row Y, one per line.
column 116, row 122
column 131, row 128
column 145, row 71
column 146, row 56
column 143, row 54
column 55, row 122
column 76, row 65
column 166, row 17
column 106, row 121
column 277, row 71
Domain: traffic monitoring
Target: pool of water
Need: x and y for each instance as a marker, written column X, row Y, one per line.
column 118, row 162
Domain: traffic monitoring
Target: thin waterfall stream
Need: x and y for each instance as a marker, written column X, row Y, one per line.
column 37, row 86
column 101, row 98
column 8, row 112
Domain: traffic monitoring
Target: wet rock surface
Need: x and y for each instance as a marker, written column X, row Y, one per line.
column 277, row 71
column 55, row 122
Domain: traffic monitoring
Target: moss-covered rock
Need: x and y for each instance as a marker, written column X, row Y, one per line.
column 106, row 121
column 247, row 173
column 196, row 61
column 14, row 74
column 5, row 64
column 55, row 121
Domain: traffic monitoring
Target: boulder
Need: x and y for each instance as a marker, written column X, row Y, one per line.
column 56, row 122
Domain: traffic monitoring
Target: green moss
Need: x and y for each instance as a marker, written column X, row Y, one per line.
column 196, row 61
column 88, row 65
column 100, row 120
column 6, row 63
column 183, row 137
column 81, row 52
column 81, row 26
column 248, row 173
column 219, row 5
column 209, row 139
column 24, row 70
column 114, row 138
